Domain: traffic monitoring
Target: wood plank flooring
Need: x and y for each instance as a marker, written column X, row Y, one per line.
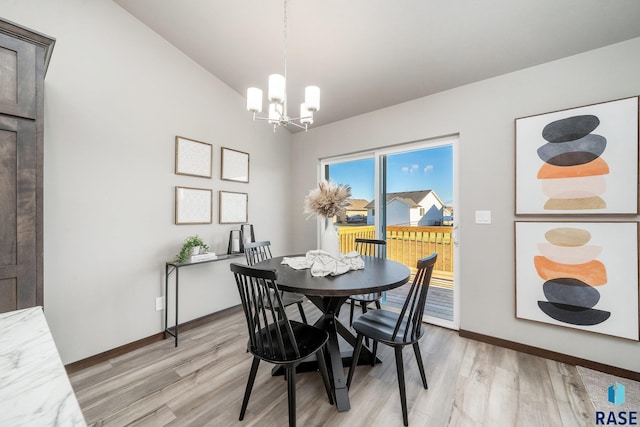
column 201, row 383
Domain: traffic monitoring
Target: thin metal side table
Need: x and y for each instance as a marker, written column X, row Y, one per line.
column 170, row 267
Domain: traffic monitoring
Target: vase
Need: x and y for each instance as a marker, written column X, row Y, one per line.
column 330, row 242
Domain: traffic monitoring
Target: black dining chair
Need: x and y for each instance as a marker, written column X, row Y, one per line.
column 272, row 336
column 261, row 251
column 398, row 329
column 368, row 247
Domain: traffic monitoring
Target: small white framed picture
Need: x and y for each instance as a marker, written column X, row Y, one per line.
column 234, row 165
column 193, row 205
column 193, row 158
column 233, row 207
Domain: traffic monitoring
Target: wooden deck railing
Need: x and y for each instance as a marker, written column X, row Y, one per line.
column 407, row 244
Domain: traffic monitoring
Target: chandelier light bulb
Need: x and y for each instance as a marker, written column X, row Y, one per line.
column 312, row 98
column 254, row 100
column 306, row 116
column 276, row 88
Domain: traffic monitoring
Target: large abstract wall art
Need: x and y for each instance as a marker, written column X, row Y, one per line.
column 581, row 275
column 579, row 161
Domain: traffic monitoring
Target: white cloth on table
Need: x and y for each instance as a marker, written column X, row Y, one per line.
column 323, row 263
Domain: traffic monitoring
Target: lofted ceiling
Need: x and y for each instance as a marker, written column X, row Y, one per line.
column 370, row 54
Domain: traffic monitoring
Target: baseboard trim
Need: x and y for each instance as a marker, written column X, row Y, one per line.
column 124, row 349
column 547, row 354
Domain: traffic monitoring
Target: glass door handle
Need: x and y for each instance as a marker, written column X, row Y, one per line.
column 455, row 235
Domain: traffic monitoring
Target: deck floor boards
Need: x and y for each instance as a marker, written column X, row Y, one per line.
column 439, row 298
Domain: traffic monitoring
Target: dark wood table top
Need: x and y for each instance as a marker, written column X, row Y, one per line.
column 378, row 275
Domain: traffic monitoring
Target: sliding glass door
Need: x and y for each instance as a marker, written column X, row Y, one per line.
column 405, row 195
column 357, row 221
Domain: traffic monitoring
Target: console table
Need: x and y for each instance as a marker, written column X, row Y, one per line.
column 170, row 267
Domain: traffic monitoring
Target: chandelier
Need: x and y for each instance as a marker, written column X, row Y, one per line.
column 277, row 95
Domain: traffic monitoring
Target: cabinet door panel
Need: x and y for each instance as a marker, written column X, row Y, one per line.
column 8, row 294
column 8, row 193
column 17, row 76
column 18, row 260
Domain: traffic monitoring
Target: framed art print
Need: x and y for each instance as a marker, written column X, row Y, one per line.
column 579, row 161
column 581, row 275
column 193, row 206
column 194, row 158
column 233, row 207
column 234, row 165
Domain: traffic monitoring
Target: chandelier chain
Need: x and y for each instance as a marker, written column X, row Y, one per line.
column 285, row 56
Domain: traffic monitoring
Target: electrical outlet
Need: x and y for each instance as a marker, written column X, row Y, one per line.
column 159, row 303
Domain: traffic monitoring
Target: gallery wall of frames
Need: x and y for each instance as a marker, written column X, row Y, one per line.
column 195, row 205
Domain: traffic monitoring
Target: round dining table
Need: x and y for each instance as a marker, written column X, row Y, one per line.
column 329, row 294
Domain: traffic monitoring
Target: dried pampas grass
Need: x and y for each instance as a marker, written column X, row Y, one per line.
column 328, row 199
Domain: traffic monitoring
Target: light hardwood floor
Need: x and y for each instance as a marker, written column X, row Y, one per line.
column 201, row 383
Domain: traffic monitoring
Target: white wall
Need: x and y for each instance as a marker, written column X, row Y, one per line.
column 116, row 95
column 483, row 114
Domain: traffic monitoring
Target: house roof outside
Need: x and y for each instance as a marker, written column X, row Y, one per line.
column 358, row 205
column 409, row 202
column 411, row 198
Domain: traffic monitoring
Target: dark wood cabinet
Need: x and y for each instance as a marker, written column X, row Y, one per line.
column 24, row 56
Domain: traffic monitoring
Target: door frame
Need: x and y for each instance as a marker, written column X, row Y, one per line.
column 379, row 156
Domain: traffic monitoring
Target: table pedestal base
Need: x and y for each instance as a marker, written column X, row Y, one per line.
column 337, row 360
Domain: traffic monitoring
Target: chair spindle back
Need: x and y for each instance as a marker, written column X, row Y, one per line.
column 413, row 307
column 371, row 247
column 257, row 251
column 270, row 333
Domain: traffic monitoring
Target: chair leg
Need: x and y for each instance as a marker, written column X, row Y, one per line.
column 401, row 385
column 378, row 305
column 247, row 392
column 302, row 316
column 416, row 350
column 354, row 358
column 374, row 352
column 322, row 364
column 351, row 313
column 363, row 305
column 291, row 392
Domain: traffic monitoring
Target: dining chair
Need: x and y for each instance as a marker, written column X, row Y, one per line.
column 273, row 337
column 398, row 330
column 261, row 251
column 368, row 247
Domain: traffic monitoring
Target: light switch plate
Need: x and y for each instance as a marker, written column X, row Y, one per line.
column 483, row 217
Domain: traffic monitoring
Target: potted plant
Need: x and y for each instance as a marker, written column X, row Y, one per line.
column 192, row 245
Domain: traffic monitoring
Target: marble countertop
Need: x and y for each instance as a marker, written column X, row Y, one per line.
column 34, row 386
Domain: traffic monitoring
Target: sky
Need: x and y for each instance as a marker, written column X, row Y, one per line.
column 426, row 169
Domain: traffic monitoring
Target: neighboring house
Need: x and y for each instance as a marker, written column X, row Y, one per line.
column 411, row 208
column 447, row 215
column 358, row 207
